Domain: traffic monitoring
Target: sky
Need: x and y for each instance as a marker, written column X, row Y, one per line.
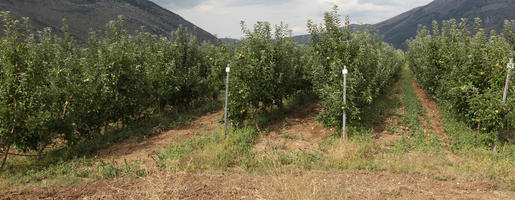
column 222, row 17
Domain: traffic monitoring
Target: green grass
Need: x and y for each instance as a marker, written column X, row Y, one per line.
column 469, row 155
column 63, row 165
column 211, row 152
column 412, row 107
column 477, row 151
column 73, row 172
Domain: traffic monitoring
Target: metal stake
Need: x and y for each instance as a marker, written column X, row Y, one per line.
column 510, row 67
column 228, row 70
column 344, row 131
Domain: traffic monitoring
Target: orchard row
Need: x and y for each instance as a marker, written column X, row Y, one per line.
column 53, row 88
column 461, row 64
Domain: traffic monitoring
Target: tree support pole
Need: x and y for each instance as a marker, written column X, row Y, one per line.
column 6, row 153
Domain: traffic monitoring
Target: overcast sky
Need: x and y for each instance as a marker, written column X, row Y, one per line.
column 222, row 17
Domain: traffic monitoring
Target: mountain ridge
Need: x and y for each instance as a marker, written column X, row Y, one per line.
column 492, row 13
column 398, row 29
column 136, row 13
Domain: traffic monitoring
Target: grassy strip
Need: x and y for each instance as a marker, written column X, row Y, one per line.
column 421, row 140
column 63, row 165
column 412, row 107
column 211, row 152
column 469, row 155
column 476, row 148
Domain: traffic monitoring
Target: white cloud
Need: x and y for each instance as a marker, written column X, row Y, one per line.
column 222, row 17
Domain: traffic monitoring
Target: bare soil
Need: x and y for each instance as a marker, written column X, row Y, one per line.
column 310, row 185
column 298, row 131
column 384, row 136
column 142, row 150
column 432, row 113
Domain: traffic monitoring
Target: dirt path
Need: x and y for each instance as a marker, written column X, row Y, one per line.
column 134, row 149
column 432, row 113
column 386, row 135
column 298, row 131
column 310, row 185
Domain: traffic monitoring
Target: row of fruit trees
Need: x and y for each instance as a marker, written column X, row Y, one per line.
column 461, row 64
column 53, row 88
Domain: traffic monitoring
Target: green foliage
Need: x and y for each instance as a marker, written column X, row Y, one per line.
column 265, row 70
column 218, row 57
column 55, row 90
column 466, row 68
column 372, row 65
column 31, row 99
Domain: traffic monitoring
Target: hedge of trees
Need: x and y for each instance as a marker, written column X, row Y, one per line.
column 267, row 68
column 460, row 63
column 51, row 87
column 372, row 66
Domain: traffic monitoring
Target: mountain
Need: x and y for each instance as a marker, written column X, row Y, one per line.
column 83, row 15
column 404, row 26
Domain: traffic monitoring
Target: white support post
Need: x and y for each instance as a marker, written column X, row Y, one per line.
column 228, row 70
column 344, row 128
column 510, row 67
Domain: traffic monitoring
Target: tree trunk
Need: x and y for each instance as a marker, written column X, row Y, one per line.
column 40, row 152
column 14, row 120
column 5, row 157
column 159, row 105
column 257, row 128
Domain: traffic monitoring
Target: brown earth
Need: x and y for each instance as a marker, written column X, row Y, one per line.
column 133, row 149
column 298, row 131
column 385, row 137
column 432, row 113
column 310, row 185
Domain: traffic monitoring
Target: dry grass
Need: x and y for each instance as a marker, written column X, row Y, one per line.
column 294, row 186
